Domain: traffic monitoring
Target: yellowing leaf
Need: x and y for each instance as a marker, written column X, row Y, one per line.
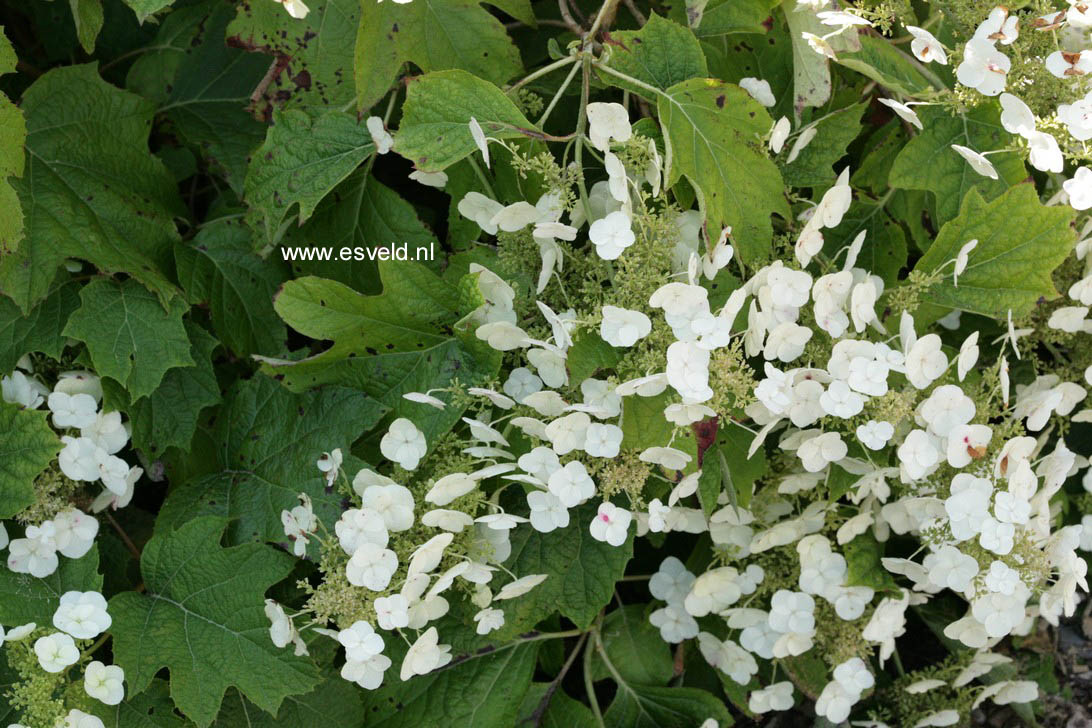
column 91, row 190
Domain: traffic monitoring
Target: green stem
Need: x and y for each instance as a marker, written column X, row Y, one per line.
column 97, row 644
column 481, row 177
column 589, row 686
column 652, row 90
column 622, row 684
column 603, row 10
column 541, row 72
column 557, row 96
column 898, row 662
column 581, row 123
column 551, row 636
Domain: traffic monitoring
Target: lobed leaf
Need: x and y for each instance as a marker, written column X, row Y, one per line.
column 202, row 618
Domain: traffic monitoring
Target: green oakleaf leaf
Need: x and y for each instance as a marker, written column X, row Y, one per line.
column 13, row 134
column 811, row 71
column 880, row 150
column 91, row 189
column 631, row 644
column 131, row 338
column 204, row 87
column 220, row 268
column 928, row 162
column 24, row 598
column 808, row 673
column 561, row 712
column 590, row 354
column 471, row 39
column 749, row 55
column 266, row 441
column 89, row 18
column 885, row 64
column 814, row 167
column 335, row 703
column 361, row 213
column 412, row 320
column 168, row 416
column 643, row 424
column 725, row 467
column 482, row 691
column 643, row 706
column 733, row 16
column 713, row 133
column 1012, row 264
column 581, row 572
column 27, row 446
column 305, row 155
column 411, row 314
column 661, row 54
column 386, row 377
column 150, row 709
column 315, row 53
column 202, row 618
column 40, row 330
column 434, row 132
column 144, row 9
column 863, row 556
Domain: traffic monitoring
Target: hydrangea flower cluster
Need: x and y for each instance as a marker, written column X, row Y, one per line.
column 395, row 564
column 1051, row 133
column 884, row 429
column 43, row 658
column 92, row 438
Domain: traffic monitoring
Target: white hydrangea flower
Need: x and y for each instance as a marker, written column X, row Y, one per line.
column 611, row 235
column 298, row 10
column 978, row 161
column 56, row 651
column 950, row 568
column 571, row 484
column 77, row 718
column 820, row 450
column 925, row 47
column 759, row 90
column 82, row 614
column 72, row 411
column 403, row 444
column 73, row 532
column 779, row 133
column 105, row 683
column 674, row 623
column 875, row 434
column 776, row 697
column 1064, row 64
column 371, row 566
column 621, row 327
column 36, row 552
column 611, row 524
column 607, row 122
